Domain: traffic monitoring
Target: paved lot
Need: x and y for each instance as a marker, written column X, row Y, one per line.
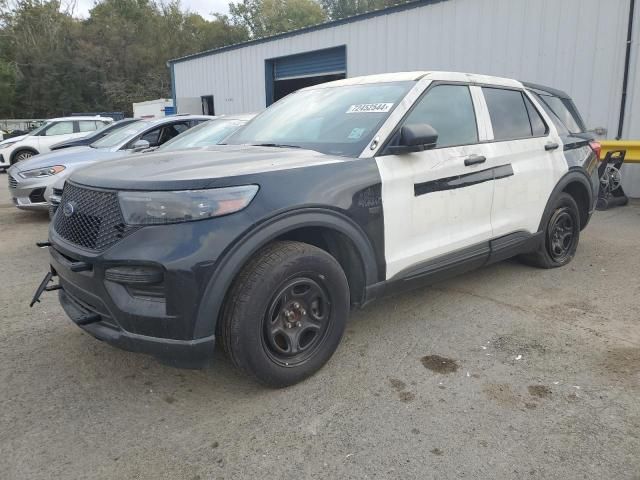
column 542, row 381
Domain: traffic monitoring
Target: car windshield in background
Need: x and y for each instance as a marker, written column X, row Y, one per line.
column 39, row 129
column 333, row 120
column 118, row 136
column 204, row 135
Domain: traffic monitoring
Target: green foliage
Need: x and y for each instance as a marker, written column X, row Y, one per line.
column 345, row 8
column 53, row 64
column 269, row 17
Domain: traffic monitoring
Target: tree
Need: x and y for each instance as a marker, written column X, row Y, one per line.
column 269, row 17
column 53, row 64
column 346, row 8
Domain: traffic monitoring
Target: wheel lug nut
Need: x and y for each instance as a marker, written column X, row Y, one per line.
column 303, row 311
column 296, row 305
column 298, row 324
column 288, row 325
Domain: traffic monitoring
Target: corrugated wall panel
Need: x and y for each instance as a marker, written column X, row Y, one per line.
column 574, row 45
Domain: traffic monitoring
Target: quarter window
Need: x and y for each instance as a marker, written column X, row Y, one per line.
column 538, row 127
column 566, row 112
column 87, row 125
column 449, row 110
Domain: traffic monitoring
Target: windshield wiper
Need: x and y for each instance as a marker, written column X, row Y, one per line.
column 276, row 145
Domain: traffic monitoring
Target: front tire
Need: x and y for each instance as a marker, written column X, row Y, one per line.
column 285, row 313
column 561, row 235
column 21, row 155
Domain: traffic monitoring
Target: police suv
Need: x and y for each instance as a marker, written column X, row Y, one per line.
column 333, row 196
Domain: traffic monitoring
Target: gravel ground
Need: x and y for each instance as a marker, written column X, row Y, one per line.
column 508, row 372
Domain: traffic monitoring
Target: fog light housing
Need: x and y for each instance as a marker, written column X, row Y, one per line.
column 135, row 275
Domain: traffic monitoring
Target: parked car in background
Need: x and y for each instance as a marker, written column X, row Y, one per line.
column 42, row 138
column 210, row 133
column 93, row 137
column 29, row 179
column 333, row 196
column 204, row 135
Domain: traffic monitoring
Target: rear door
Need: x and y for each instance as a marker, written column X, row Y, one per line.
column 526, row 144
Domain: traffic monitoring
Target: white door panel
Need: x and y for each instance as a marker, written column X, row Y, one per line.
column 421, row 225
column 519, row 200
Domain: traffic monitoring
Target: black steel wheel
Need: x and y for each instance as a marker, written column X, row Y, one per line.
column 285, row 313
column 297, row 320
column 561, row 235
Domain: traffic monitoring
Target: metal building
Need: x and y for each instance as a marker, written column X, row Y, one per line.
column 579, row 46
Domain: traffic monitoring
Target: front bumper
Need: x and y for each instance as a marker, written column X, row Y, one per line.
column 174, row 322
column 29, row 194
column 178, row 353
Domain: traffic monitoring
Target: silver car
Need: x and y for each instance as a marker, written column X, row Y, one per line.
column 31, row 181
column 204, row 135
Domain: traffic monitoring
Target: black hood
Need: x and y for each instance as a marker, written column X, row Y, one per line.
column 197, row 168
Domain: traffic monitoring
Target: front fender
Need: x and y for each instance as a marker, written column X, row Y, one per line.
column 231, row 262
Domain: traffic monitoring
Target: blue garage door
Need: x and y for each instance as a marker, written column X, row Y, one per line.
column 310, row 64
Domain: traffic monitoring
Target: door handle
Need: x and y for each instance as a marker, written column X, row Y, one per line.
column 551, row 146
column 474, row 160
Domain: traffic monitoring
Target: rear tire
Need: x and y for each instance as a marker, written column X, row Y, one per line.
column 561, row 236
column 285, row 313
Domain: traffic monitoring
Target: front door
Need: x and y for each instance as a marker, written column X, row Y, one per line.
column 438, row 202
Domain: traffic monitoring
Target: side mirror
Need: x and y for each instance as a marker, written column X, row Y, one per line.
column 415, row 138
column 140, row 145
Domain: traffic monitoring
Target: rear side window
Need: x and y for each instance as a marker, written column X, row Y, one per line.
column 448, row 109
column 508, row 112
column 565, row 111
column 88, row 125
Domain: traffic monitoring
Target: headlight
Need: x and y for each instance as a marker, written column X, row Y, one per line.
column 42, row 172
column 149, row 208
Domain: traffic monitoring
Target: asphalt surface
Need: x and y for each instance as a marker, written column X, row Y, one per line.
column 509, row 372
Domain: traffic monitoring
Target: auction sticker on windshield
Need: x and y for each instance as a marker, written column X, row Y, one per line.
column 370, row 108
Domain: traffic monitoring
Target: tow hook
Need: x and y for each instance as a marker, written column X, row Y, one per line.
column 45, row 287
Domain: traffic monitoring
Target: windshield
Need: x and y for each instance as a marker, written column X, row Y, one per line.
column 204, row 135
column 120, row 135
column 338, row 120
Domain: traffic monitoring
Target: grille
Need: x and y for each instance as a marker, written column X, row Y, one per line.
column 13, row 183
column 96, row 222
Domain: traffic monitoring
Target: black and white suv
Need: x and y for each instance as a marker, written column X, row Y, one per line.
column 335, row 195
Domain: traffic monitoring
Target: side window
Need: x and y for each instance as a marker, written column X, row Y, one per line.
column 87, row 125
column 59, row 128
column 448, row 109
column 152, row 137
column 508, row 113
column 538, row 127
column 171, row 131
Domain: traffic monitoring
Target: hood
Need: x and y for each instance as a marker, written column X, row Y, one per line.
column 197, row 168
column 11, row 140
column 66, row 156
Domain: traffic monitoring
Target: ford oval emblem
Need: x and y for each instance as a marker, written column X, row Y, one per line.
column 68, row 209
